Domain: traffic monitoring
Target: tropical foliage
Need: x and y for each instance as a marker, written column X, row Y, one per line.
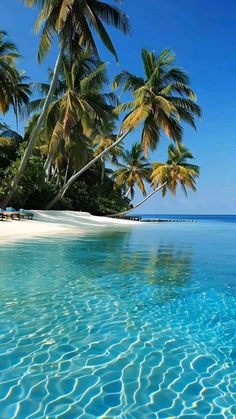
column 71, row 21
column 14, row 91
column 177, row 170
column 167, row 176
column 133, row 171
column 162, row 99
column 71, row 153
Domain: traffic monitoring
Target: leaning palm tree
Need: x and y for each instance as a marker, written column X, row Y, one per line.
column 79, row 111
column 134, row 171
column 167, row 176
column 83, row 105
column 162, row 100
column 78, row 81
column 177, row 170
column 71, row 21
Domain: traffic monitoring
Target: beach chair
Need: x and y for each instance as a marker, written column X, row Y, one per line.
column 26, row 214
column 11, row 213
column 2, row 214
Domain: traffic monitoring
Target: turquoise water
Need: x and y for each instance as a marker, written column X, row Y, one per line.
column 195, row 217
column 128, row 324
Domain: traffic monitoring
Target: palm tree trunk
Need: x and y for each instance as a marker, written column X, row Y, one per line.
column 67, row 169
column 128, row 192
column 47, row 166
column 75, row 176
column 124, row 213
column 103, row 171
column 36, row 130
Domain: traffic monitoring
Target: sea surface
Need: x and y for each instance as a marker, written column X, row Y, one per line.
column 189, row 217
column 136, row 322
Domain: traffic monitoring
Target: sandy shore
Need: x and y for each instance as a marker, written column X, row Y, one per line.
column 49, row 223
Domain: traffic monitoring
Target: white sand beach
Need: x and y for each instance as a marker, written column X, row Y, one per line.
column 49, row 223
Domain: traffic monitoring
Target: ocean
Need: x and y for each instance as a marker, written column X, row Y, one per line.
column 193, row 217
column 128, row 323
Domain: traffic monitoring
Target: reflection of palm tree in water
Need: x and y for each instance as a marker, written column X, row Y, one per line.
column 156, row 271
column 169, row 270
column 135, row 278
column 161, row 266
column 168, row 266
column 164, row 266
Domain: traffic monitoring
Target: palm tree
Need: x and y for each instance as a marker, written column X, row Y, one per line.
column 78, row 99
column 14, row 91
column 102, row 139
column 9, row 136
column 20, row 95
column 8, row 55
column 135, row 170
column 71, row 21
column 9, row 144
column 95, row 159
column 177, row 170
column 85, row 114
column 166, row 176
column 161, row 101
column 102, row 142
column 83, row 103
column 80, row 110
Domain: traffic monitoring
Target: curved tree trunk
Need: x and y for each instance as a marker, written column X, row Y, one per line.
column 67, row 169
column 75, row 176
column 124, row 213
column 128, row 192
column 47, row 166
column 103, row 170
column 36, row 130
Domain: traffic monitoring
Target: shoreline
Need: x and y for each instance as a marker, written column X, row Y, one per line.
column 54, row 223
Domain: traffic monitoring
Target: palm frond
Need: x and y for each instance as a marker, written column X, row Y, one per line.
column 128, row 80
column 65, row 9
column 176, row 171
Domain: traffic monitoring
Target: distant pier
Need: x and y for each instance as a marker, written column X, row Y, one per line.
column 159, row 220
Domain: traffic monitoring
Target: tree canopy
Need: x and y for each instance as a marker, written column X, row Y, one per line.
column 72, row 153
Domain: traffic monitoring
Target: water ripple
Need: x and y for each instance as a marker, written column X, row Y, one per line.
column 126, row 333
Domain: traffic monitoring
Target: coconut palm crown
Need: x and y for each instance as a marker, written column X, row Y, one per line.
column 166, row 176
column 14, row 90
column 162, row 99
column 177, row 170
column 75, row 22
column 80, row 107
column 134, row 171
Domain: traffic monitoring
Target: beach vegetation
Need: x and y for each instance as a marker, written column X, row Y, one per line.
column 134, row 169
column 70, row 22
column 164, row 177
column 72, row 153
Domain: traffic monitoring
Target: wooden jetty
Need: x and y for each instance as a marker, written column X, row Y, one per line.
column 159, row 220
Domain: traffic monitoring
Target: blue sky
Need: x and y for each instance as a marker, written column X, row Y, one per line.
column 202, row 33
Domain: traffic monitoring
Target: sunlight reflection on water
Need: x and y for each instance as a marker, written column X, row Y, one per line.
column 134, row 323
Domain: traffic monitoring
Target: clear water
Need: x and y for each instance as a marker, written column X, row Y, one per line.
column 191, row 217
column 128, row 324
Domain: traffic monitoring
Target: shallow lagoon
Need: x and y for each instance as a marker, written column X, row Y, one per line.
column 133, row 323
